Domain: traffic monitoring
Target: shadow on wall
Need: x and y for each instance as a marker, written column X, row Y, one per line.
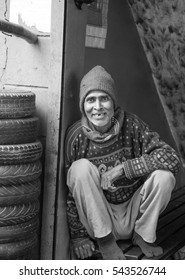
column 71, row 109
column 125, row 59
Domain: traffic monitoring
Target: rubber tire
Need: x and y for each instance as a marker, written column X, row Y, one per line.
column 17, row 214
column 19, row 231
column 15, row 250
column 18, row 131
column 19, row 193
column 20, row 153
column 20, row 173
column 15, row 104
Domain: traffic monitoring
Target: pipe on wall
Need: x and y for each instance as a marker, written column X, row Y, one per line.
column 19, row 31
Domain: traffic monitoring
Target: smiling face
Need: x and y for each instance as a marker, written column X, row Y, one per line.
column 99, row 109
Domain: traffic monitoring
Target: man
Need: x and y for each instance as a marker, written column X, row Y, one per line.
column 120, row 174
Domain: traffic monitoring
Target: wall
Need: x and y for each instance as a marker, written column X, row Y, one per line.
column 161, row 29
column 125, row 59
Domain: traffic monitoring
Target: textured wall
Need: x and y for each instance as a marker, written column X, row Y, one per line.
column 161, row 28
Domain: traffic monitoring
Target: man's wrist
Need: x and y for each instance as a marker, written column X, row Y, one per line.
column 79, row 240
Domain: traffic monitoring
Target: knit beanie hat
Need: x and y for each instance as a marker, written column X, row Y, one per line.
column 97, row 79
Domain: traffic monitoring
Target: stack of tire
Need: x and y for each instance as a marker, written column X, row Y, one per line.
column 20, row 171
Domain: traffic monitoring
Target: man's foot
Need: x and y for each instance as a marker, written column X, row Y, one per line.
column 149, row 249
column 109, row 248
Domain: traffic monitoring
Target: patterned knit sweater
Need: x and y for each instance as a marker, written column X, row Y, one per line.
column 139, row 149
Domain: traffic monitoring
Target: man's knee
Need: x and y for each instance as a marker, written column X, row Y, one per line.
column 164, row 180
column 77, row 171
column 81, row 168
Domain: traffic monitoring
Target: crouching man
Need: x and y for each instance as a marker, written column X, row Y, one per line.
column 120, row 174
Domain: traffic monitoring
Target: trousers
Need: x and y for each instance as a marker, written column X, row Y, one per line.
column 139, row 214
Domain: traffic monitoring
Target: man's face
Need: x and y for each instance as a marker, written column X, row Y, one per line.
column 99, row 109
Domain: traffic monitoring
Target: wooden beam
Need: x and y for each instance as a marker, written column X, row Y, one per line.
column 74, row 55
column 52, row 136
column 19, row 31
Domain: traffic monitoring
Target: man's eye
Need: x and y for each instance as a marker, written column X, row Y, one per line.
column 105, row 98
column 90, row 100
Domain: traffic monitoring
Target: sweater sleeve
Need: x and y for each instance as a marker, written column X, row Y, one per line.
column 153, row 153
column 76, row 228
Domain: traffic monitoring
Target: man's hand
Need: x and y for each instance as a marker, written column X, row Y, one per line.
column 83, row 248
column 110, row 176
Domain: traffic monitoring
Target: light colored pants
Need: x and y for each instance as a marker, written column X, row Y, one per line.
column 140, row 213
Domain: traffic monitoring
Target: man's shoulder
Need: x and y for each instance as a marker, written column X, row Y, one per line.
column 133, row 118
column 74, row 130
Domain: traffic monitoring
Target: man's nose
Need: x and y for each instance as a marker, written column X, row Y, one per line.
column 98, row 105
